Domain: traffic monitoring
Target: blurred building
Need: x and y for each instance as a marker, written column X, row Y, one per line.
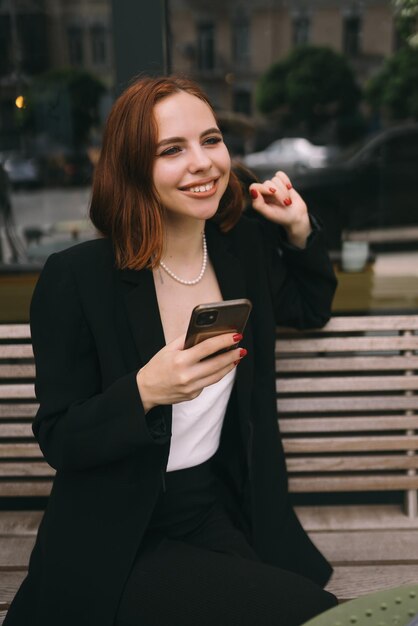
column 227, row 47
column 41, row 35
column 225, row 44
column 80, row 35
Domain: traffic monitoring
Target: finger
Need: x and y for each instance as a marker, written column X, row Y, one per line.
column 215, row 378
column 212, row 377
column 285, row 178
column 212, row 345
column 177, row 343
column 282, row 193
column 270, row 192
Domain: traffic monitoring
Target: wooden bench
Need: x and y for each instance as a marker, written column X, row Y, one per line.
column 349, row 417
column 348, row 413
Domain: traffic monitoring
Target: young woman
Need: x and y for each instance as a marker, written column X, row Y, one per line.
column 170, row 503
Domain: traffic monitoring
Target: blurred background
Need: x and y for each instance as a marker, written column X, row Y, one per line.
column 326, row 90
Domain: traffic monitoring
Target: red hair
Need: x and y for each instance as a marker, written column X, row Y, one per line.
column 124, row 204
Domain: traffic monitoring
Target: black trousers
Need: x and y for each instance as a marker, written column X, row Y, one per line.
column 196, row 568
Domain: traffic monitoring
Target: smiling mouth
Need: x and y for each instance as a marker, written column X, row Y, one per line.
column 200, row 188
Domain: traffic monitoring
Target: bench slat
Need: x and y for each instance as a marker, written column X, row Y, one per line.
column 351, row 463
column 15, row 551
column 14, row 331
column 349, row 444
column 347, row 424
column 344, row 483
column 347, row 344
column 17, row 411
column 349, row 582
column 17, row 371
column 21, row 488
column 17, row 391
column 347, row 404
column 357, row 547
column 346, row 364
column 15, row 430
column 358, row 323
column 347, row 383
column 31, row 469
column 20, row 450
column 19, row 522
column 18, row 351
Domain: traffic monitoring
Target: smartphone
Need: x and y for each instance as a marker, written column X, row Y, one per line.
column 217, row 318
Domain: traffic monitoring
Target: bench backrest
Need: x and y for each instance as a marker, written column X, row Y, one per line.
column 23, row 472
column 347, row 403
column 348, row 407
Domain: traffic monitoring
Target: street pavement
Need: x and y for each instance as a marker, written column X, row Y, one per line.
column 43, row 207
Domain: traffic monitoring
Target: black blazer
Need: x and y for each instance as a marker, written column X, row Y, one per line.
column 93, row 326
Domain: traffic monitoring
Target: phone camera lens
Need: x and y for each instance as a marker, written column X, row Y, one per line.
column 206, row 318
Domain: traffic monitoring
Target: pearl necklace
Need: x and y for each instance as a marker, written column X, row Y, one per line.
column 182, row 281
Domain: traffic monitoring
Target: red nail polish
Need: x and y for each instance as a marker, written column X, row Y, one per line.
column 289, row 185
column 237, row 337
column 242, row 352
column 272, row 189
column 287, row 201
column 253, row 193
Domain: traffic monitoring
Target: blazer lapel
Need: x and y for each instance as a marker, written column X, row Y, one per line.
column 143, row 313
column 227, row 267
column 233, row 284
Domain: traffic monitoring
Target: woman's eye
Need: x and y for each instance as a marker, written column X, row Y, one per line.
column 213, row 140
column 170, row 151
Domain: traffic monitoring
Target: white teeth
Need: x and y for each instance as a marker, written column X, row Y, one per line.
column 201, row 188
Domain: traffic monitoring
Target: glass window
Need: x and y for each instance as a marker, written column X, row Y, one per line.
column 98, row 44
column 206, row 46
column 75, row 45
column 241, row 41
column 242, row 101
column 352, row 35
column 301, row 28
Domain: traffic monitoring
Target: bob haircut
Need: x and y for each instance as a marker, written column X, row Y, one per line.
column 125, row 205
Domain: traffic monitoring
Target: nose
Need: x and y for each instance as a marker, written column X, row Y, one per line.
column 199, row 159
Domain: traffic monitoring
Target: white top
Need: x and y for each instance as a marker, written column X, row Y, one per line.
column 197, row 425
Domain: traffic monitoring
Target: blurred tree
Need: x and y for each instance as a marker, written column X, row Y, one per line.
column 311, row 86
column 394, row 90
column 407, row 20
column 64, row 104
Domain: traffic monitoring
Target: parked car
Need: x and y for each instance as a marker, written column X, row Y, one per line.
column 292, row 154
column 22, row 170
column 376, row 186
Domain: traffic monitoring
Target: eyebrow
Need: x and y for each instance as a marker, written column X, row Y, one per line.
column 171, row 140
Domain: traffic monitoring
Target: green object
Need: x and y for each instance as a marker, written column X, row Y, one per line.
column 391, row 607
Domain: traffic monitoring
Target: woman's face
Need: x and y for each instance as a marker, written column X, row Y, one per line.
column 192, row 163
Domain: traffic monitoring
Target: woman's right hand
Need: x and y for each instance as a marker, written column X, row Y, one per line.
column 175, row 375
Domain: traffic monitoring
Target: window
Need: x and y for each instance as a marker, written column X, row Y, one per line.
column 206, row 46
column 301, row 28
column 98, row 44
column 242, row 101
column 352, row 35
column 241, row 42
column 75, row 45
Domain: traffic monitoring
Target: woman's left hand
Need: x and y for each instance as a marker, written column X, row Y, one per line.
column 279, row 202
